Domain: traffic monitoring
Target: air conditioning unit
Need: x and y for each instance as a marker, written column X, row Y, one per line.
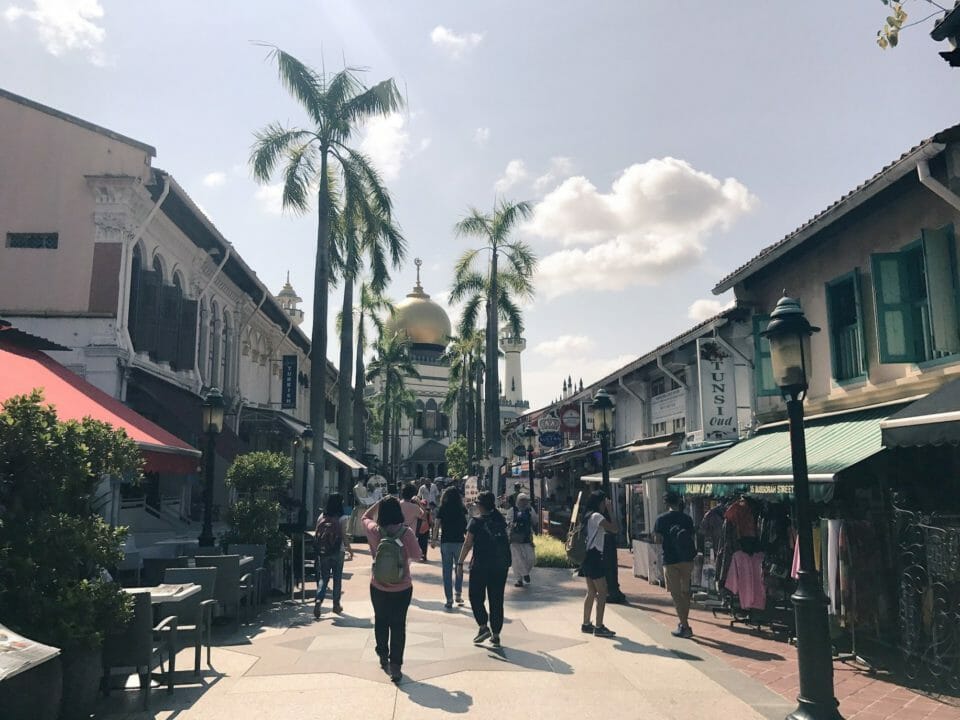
column 693, row 439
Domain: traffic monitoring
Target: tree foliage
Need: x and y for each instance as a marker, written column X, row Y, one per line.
column 458, row 463
column 259, row 478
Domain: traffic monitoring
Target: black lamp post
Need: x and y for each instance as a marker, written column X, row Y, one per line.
column 212, row 418
column 307, row 438
column 528, row 435
column 789, row 334
column 602, row 407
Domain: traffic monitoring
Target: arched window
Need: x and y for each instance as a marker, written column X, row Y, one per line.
column 133, row 311
column 171, row 333
column 419, row 470
column 444, row 424
column 430, row 418
column 226, row 352
column 418, row 419
column 204, row 341
column 214, row 353
column 158, row 267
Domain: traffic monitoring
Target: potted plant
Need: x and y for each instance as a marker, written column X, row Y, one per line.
column 53, row 588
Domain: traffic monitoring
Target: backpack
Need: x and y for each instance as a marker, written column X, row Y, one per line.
column 390, row 559
column 329, row 536
column 500, row 556
column 683, row 543
column 521, row 530
column 577, row 541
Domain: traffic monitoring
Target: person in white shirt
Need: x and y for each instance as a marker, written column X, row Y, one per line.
column 429, row 492
column 593, row 569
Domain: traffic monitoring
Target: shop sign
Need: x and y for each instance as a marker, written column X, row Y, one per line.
column 288, row 385
column 669, row 405
column 551, row 439
column 548, row 424
column 718, row 396
column 570, row 418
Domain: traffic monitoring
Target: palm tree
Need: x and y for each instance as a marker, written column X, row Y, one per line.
column 498, row 290
column 392, row 365
column 318, row 157
column 465, row 355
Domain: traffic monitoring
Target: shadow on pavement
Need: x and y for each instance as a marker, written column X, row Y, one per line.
column 531, row 661
column 128, row 702
column 631, row 646
column 431, row 696
column 737, row 650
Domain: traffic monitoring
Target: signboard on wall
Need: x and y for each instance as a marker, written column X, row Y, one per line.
column 718, row 395
column 669, row 405
column 570, row 418
column 548, row 423
column 288, row 384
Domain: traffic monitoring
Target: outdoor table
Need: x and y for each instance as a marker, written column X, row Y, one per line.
column 19, row 654
column 246, row 560
column 166, row 593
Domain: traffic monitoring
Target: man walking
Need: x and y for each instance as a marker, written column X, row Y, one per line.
column 674, row 531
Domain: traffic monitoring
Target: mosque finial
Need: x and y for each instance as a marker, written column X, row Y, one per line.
column 418, row 262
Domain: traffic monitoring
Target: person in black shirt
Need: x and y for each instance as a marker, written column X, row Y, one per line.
column 453, row 527
column 674, row 530
column 487, row 539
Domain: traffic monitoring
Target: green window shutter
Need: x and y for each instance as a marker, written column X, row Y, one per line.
column 864, row 366
column 938, row 258
column 895, row 334
column 762, row 368
column 845, row 326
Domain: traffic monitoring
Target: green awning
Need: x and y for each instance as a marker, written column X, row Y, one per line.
column 762, row 464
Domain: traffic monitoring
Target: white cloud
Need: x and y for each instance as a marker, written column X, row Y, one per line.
column 564, row 345
column 706, row 308
column 481, row 135
column 653, row 221
column 514, row 173
column 214, row 179
column 560, row 169
column 270, row 198
column 542, row 385
column 65, row 25
column 387, row 142
column 453, row 44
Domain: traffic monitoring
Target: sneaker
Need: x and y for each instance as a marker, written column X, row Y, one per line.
column 395, row 674
column 526, row 578
column 384, row 663
column 603, row 631
column 587, row 628
column 518, row 583
column 448, row 605
column 687, row 632
column 338, row 609
column 482, row 635
column 681, row 632
column 316, row 611
column 495, row 640
column 459, row 600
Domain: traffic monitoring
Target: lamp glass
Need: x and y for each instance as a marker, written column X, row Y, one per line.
column 602, row 407
column 307, row 438
column 212, row 411
column 789, row 359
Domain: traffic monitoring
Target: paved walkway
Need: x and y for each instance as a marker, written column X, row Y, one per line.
column 288, row 665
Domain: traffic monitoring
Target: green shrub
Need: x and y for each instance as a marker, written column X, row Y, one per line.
column 260, row 479
column 457, row 461
column 551, row 552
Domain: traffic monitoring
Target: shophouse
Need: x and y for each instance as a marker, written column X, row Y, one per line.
column 109, row 256
column 877, row 273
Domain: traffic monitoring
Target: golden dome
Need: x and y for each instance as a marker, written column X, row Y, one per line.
column 420, row 319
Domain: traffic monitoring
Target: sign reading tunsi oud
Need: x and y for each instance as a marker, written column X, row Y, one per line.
column 288, row 385
column 718, row 396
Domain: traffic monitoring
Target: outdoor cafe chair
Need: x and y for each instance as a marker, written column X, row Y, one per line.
column 141, row 645
column 259, row 554
column 232, row 590
column 194, row 613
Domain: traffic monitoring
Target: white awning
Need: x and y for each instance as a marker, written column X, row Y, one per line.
column 340, row 456
column 630, row 472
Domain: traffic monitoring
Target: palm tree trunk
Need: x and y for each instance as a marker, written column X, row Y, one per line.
column 461, row 402
column 478, row 410
column 321, row 283
column 395, row 453
column 385, row 460
column 492, row 386
column 344, row 394
column 359, row 433
column 468, row 410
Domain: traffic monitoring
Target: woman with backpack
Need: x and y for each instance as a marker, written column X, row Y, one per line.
column 487, row 538
column 332, row 542
column 521, row 539
column 596, row 524
column 452, row 516
column 392, row 544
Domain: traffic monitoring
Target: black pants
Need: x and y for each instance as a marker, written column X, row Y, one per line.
column 488, row 585
column 390, row 622
column 424, row 540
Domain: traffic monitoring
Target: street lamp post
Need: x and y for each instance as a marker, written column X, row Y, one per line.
column 789, row 334
column 307, row 438
column 529, row 434
column 602, row 407
column 212, row 418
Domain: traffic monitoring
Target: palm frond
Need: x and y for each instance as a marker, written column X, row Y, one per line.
column 475, row 224
column 381, row 99
column 298, row 176
column 469, row 315
column 302, row 82
column 506, row 217
column 510, row 313
column 270, row 144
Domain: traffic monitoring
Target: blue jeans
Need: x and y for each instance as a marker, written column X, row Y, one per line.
column 330, row 567
column 449, row 554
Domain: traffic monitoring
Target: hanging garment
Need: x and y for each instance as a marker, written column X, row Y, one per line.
column 712, row 527
column 816, row 547
column 833, row 565
column 743, row 519
column 745, row 579
column 795, row 565
column 728, row 546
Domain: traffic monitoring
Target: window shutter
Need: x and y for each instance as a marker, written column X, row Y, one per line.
column 149, row 307
column 168, row 323
column 941, row 288
column 894, row 323
column 762, row 367
column 187, row 335
column 864, row 367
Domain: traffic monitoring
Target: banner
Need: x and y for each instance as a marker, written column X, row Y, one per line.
column 718, row 396
column 288, row 384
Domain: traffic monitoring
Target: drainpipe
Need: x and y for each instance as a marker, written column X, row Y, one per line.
column 203, row 293
column 669, row 374
column 935, row 186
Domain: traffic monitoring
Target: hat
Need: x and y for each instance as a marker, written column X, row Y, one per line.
column 522, row 496
column 517, row 485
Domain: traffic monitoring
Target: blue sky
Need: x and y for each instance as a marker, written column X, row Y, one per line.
column 663, row 143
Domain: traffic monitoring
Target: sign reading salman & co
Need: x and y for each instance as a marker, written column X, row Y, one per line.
column 718, row 396
column 288, row 384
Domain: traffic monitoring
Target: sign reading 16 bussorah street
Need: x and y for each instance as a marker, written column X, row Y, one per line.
column 288, row 386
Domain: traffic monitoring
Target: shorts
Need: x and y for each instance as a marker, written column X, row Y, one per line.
column 593, row 567
column 677, row 577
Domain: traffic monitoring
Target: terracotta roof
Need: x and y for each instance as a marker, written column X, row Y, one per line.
column 890, row 172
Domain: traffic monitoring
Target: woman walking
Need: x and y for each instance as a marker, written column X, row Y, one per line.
column 332, row 542
column 392, row 544
column 596, row 514
column 423, row 529
column 487, row 538
column 452, row 517
column 521, row 539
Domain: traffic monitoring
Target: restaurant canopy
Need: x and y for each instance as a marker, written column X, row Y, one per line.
column 24, row 369
column 932, row 420
column 633, row 473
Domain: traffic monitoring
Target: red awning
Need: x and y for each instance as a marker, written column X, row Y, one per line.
column 22, row 370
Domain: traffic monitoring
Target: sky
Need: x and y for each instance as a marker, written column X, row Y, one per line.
column 662, row 144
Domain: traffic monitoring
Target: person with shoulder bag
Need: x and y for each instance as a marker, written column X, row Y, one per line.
column 675, row 532
column 392, row 544
column 332, row 543
column 593, row 569
column 488, row 541
column 522, row 551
